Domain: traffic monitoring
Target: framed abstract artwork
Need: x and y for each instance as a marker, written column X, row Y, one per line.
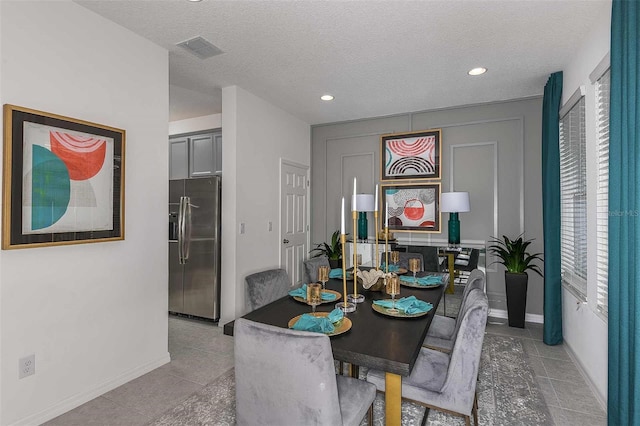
column 63, row 180
column 411, row 207
column 414, row 155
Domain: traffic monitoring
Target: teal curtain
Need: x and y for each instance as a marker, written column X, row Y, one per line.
column 624, row 206
column 551, row 209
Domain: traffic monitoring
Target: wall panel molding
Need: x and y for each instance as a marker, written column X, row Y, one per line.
column 494, row 148
column 498, row 134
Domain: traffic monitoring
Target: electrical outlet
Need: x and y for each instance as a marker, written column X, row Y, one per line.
column 270, row 226
column 242, row 227
column 27, row 366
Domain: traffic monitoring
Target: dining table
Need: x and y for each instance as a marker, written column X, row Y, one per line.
column 375, row 340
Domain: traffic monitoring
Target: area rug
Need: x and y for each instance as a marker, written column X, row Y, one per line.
column 508, row 394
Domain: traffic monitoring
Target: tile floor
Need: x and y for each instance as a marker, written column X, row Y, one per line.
column 201, row 353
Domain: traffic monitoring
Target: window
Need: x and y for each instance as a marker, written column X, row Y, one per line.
column 602, row 195
column 573, row 195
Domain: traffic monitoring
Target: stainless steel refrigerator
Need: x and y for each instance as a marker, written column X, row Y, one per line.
column 194, row 247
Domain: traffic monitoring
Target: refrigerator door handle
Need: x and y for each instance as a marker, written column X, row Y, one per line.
column 181, row 229
column 187, row 228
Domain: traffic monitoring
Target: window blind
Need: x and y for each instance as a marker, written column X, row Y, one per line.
column 573, row 197
column 602, row 197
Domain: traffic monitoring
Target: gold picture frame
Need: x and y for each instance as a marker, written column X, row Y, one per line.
column 411, row 155
column 411, row 207
column 63, row 180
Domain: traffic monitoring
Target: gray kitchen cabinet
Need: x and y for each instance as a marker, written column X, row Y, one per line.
column 195, row 156
column 178, row 158
column 217, row 146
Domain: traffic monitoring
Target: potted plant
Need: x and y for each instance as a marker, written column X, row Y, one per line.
column 514, row 256
column 333, row 251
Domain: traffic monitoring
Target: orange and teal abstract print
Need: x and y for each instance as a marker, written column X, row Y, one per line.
column 67, row 180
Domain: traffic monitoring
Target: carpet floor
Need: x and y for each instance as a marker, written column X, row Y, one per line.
column 508, row 394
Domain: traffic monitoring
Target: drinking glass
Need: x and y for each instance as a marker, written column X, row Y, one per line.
column 314, row 295
column 323, row 275
column 395, row 257
column 414, row 266
column 393, row 289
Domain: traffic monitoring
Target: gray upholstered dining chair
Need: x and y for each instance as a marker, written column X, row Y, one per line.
column 443, row 330
column 448, row 382
column 287, row 377
column 404, row 259
column 311, row 268
column 265, row 287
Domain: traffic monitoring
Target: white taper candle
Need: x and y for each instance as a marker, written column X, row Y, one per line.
column 354, row 207
column 376, row 202
column 386, row 217
column 342, row 218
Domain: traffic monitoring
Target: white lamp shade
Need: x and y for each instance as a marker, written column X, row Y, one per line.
column 454, row 202
column 364, row 202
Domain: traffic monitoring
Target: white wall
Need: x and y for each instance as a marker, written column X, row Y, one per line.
column 196, row 124
column 95, row 315
column 256, row 135
column 585, row 331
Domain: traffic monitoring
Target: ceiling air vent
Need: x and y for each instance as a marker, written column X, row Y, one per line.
column 200, row 47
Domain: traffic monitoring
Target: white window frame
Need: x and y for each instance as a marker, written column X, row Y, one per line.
column 573, row 195
column 601, row 79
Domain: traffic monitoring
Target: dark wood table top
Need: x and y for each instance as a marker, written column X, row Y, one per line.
column 375, row 340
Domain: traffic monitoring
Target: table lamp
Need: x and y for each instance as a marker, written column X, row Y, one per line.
column 454, row 203
column 365, row 203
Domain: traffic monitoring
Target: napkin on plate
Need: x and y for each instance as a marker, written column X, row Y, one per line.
column 302, row 292
column 409, row 305
column 392, row 268
column 308, row 322
column 337, row 273
column 429, row 280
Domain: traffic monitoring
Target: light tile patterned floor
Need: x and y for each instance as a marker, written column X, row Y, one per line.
column 200, row 353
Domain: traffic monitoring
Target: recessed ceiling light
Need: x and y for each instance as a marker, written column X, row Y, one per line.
column 326, row 97
column 194, row 1
column 477, row 71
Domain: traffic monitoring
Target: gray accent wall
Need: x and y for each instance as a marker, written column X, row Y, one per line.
column 493, row 151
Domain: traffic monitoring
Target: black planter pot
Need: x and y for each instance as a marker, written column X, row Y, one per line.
column 335, row 263
column 516, row 285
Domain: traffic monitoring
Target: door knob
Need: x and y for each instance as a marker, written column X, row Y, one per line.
column 285, row 241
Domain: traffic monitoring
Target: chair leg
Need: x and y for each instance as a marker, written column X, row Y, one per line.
column 370, row 415
column 475, row 409
column 354, row 371
column 341, row 367
column 467, row 420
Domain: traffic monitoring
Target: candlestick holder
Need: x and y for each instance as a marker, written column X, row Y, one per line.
column 355, row 297
column 386, row 249
column 346, row 306
column 376, row 261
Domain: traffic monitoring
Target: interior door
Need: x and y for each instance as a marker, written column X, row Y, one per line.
column 294, row 227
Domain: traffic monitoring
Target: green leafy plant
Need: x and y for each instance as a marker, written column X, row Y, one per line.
column 513, row 254
column 332, row 251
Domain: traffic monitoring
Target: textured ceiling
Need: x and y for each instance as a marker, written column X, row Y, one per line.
column 376, row 57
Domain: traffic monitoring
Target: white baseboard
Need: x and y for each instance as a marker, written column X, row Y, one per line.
column 79, row 399
column 601, row 398
column 501, row 313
